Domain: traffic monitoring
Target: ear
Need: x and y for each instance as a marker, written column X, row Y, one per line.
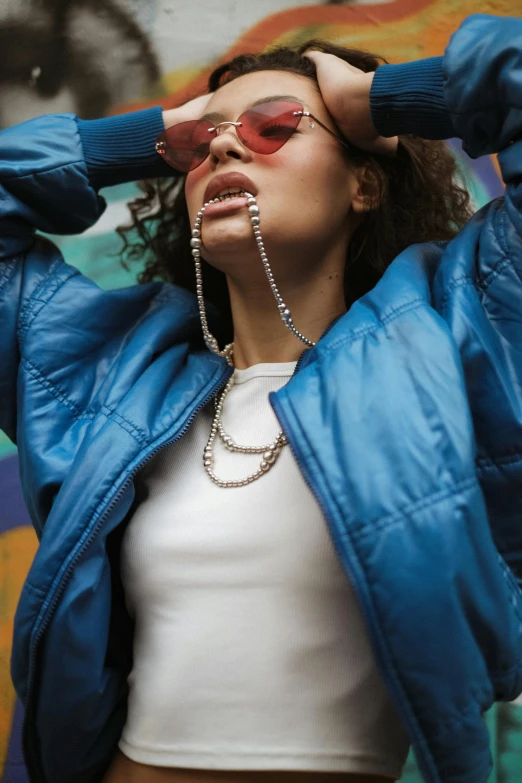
column 367, row 196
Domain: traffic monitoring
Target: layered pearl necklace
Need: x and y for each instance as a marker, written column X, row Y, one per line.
column 272, row 450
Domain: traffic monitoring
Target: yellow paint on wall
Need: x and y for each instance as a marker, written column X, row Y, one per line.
column 422, row 33
column 179, row 78
column 17, row 551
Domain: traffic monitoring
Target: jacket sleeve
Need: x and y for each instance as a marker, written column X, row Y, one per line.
column 51, row 169
column 474, row 92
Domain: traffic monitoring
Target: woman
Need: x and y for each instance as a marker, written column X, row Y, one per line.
column 353, row 590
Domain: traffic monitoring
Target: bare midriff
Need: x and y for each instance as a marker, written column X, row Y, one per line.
column 124, row 770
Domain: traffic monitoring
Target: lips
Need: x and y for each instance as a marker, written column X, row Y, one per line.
column 231, row 180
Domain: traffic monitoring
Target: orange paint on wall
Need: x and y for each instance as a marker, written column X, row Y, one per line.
column 402, row 31
column 494, row 159
column 17, row 551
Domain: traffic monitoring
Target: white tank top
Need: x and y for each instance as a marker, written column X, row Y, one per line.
column 250, row 651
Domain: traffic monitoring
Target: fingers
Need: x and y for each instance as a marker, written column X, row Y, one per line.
column 345, row 90
column 198, row 105
column 191, row 110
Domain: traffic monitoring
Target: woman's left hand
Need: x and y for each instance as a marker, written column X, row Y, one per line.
column 346, row 93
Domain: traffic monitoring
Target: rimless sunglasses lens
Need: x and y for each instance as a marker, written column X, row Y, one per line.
column 263, row 129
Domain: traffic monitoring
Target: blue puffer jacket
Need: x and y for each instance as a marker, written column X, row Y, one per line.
column 405, row 420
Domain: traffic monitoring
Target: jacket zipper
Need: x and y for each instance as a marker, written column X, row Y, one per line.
column 217, row 386
column 45, row 622
column 429, row 767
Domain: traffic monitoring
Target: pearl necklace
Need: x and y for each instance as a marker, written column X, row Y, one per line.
column 272, row 450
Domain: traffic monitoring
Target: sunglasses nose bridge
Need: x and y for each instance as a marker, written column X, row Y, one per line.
column 227, row 122
column 215, row 134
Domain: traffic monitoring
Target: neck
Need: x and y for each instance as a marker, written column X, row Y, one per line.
column 259, row 333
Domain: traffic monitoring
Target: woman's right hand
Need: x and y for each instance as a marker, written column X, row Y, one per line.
column 192, row 110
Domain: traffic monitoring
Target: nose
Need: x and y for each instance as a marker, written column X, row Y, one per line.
column 227, row 144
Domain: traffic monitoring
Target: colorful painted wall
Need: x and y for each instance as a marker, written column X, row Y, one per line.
column 101, row 57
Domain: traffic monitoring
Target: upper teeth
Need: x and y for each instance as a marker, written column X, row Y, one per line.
column 227, row 192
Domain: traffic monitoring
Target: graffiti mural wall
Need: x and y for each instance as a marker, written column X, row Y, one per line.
column 102, row 57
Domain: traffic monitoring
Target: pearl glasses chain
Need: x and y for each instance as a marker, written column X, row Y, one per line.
column 272, row 450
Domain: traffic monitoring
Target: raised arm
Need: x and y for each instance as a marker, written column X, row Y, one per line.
column 52, row 167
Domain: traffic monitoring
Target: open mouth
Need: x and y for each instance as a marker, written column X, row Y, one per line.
column 229, row 202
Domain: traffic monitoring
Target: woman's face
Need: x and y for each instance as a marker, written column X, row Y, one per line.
column 305, row 190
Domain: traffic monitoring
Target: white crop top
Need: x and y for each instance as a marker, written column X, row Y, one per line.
column 250, row 652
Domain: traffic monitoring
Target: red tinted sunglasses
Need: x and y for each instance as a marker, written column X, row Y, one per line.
column 264, row 128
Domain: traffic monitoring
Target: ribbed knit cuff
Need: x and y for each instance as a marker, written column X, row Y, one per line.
column 122, row 148
column 409, row 98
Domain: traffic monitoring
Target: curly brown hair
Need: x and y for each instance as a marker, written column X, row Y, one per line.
column 419, row 198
